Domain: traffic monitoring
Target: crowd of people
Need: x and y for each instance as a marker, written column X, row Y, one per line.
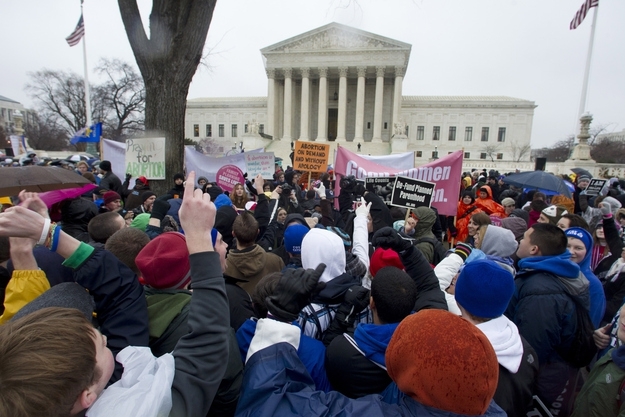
column 280, row 298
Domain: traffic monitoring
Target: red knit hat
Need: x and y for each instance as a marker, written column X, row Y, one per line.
column 442, row 361
column 143, row 180
column 384, row 257
column 110, row 196
column 164, row 262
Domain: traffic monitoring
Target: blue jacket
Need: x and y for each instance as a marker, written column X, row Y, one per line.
column 311, row 352
column 597, row 296
column 276, row 384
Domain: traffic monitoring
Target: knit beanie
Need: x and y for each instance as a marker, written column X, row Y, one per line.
column 554, row 213
column 143, row 180
column 214, row 191
column 293, row 236
column 178, row 176
column 105, row 166
column 516, row 225
column 484, row 288
column 111, row 196
column 442, row 361
column 384, row 257
column 581, row 234
column 145, row 195
column 508, row 202
column 164, row 262
column 141, row 221
column 222, row 200
column 522, row 214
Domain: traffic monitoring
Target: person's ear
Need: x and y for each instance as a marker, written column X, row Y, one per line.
column 85, row 400
column 371, row 303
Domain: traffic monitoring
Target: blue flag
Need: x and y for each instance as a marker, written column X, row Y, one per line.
column 91, row 134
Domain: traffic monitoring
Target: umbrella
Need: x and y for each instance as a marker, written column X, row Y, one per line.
column 581, row 171
column 78, row 158
column 52, row 197
column 38, row 179
column 539, row 179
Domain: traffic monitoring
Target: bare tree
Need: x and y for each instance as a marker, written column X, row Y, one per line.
column 167, row 60
column 519, row 151
column 597, row 130
column 43, row 133
column 560, row 151
column 490, row 151
column 124, row 97
column 608, row 151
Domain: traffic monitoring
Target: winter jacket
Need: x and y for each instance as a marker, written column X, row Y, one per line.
column 429, row 294
column 133, row 199
column 239, row 301
column 310, row 351
column 445, row 271
column 423, row 229
column 277, row 384
column 600, row 394
column 544, row 312
column 355, row 363
column 112, row 182
column 463, row 217
column 251, row 264
column 23, row 287
column 75, row 217
column 488, row 205
column 518, row 366
column 593, row 215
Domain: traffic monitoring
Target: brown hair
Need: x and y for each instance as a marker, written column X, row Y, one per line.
column 103, row 226
column 245, row 229
column 238, row 202
column 48, row 360
column 126, row 244
column 482, row 231
column 481, row 219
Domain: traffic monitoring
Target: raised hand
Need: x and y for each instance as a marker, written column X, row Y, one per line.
column 293, row 292
column 197, row 217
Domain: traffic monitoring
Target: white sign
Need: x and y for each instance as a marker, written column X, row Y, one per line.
column 146, row 157
column 260, row 163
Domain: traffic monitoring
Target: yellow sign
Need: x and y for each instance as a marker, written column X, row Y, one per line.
column 311, row 156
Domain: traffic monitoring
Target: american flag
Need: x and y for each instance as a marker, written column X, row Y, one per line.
column 582, row 12
column 77, row 34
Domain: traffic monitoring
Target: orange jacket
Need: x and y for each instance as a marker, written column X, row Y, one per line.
column 488, row 205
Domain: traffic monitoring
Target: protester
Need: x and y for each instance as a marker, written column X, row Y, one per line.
column 487, row 204
column 477, row 220
column 109, row 180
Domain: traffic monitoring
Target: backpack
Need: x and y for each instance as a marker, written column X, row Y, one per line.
column 583, row 348
column 439, row 249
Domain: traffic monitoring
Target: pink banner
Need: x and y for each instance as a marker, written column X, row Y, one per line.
column 445, row 172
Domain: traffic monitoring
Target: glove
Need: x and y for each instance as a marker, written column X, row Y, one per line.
column 128, row 176
column 388, row 238
column 605, row 209
column 360, row 188
column 160, row 209
column 363, row 208
column 293, row 292
column 463, row 250
column 321, row 190
column 251, row 188
column 356, row 300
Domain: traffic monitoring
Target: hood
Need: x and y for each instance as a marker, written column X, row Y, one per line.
column 488, row 191
column 516, row 225
column 249, row 261
column 504, row 336
column 316, row 246
column 78, row 211
column 498, row 241
column 373, row 339
column 618, row 356
column 522, row 214
column 615, row 205
column 559, row 265
column 586, row 238
column 427, row 218
column 334, row 291
column 222, row 200
column 288, row 176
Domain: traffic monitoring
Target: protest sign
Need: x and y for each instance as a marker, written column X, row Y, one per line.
column 260, row 163
column 310, row 156
column 444, row 172
column 595, row 186
column 115, row 153
column 146, row 157
column 228, row 176
column 382, row 186
column 411, row 193
column 207, row 166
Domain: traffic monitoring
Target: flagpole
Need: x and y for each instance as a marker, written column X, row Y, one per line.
column 582, row 103
column 84, row 54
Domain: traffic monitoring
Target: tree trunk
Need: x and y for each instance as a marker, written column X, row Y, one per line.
column 168, row 60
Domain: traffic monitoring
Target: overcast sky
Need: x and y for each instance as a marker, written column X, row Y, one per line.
column 517, row 48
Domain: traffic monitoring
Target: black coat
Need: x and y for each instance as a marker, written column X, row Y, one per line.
column 113, row 183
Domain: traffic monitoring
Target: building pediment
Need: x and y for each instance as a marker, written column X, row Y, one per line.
column 336, row 37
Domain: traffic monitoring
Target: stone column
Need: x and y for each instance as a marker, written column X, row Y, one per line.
column 342, row 110
column 322, row 128
column 377, row 110
column 303, row 134
column 360, row 105
column 288, row 103
column 271, row 101
column 399, row 77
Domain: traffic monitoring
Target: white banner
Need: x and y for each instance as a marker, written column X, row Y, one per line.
column 115, row 152
column 146, row 157
column 207, row 166
column 399, row 161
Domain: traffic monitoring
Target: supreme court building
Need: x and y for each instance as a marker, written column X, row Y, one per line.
column 343, row 86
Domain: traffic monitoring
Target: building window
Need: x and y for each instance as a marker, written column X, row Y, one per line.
column 436, row 133
column 467, row 155
column 501, row 137
column 196, row 131
column 452, row 133
column 233, row 129
column 419, row 154
column 368, row 125
column 245, row 128
column 385, row 125
column 261, row 128
column 420, row 132
column 485, row 134
column 209, row 131
column 499, row 156
column 483, row 155
column 221, row 131
column 468, row 134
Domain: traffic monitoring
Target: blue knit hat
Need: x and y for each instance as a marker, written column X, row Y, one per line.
column 581, row 234
column 484, row 288
column 293, row 236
